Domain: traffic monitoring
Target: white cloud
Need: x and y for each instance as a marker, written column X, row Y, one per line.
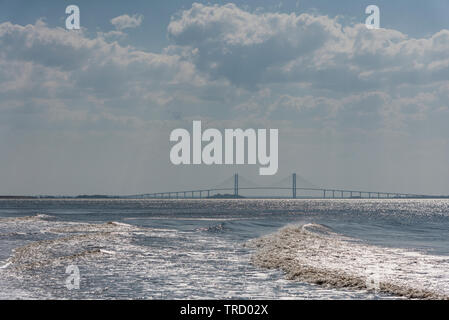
column 251, row 49
column 241, row 46
column 78, row 72
column 125, row 21
column 312, row 66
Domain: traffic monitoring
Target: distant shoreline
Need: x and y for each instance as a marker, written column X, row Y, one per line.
column 214, row 197
column 18, row 197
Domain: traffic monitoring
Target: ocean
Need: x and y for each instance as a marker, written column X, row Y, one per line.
column 225, row 249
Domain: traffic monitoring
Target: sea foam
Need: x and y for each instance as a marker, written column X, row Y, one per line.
column 313, row 253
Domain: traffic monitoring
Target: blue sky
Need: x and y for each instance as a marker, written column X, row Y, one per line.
column 85, row 111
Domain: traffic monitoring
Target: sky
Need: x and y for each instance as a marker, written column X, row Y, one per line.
column 90, row 111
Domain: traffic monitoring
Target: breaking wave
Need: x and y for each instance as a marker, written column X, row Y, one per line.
column 313, row 253
column 36, row 217
column 63, row 241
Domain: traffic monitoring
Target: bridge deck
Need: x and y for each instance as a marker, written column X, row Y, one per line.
column 332, row 193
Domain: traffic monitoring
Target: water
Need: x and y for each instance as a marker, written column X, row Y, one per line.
column 221, row 249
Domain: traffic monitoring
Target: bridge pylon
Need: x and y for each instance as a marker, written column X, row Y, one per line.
column 294, row 185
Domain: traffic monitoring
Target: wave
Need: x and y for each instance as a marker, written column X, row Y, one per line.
column 111, row 226
column 193, row 218
column 36, row 217
column 44, row 253
column 75, row 241
column 13, row 234
column 315, row 254
column 120, row 224
column 107, row 252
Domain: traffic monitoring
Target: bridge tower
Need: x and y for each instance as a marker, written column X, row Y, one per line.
column 294, row 185
column 236, row 185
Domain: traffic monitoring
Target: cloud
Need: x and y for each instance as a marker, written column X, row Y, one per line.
column 125, row 21
column 241, row 46
column 225, row 62
column 255, row 49
column 57, row 75
column 112, row 35
column 325, row 84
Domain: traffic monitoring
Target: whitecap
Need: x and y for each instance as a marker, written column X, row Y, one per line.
column 314, row 254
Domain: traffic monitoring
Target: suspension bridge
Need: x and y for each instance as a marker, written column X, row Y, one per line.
column 293, row 187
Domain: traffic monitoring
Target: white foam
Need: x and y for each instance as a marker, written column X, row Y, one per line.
column 120, row 224
column 313, row 253
column 107, row 252
column 43, row 216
